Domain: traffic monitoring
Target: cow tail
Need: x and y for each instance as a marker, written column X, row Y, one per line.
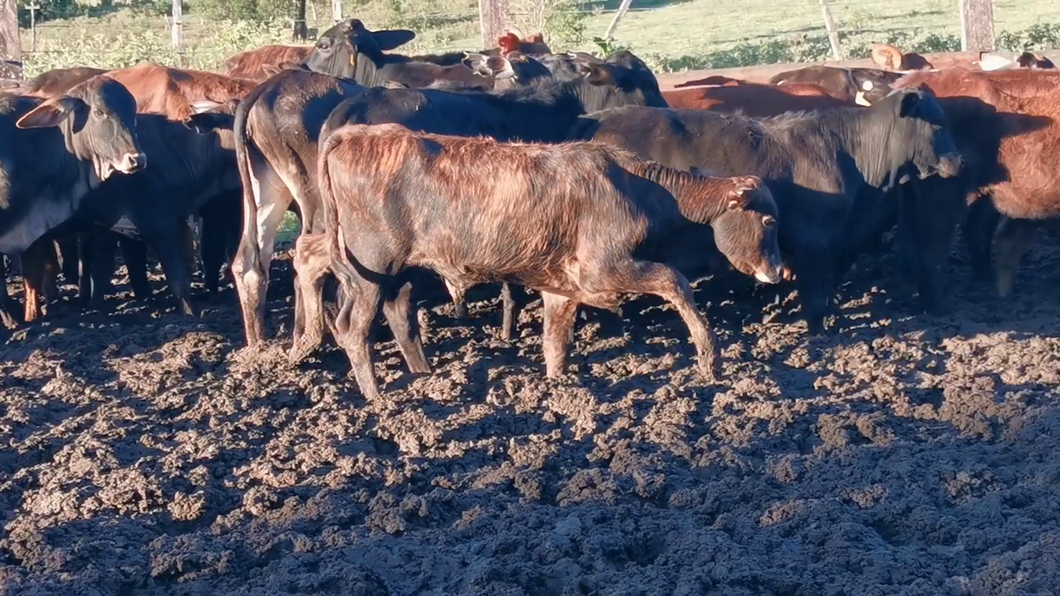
column 339, row 265
column 243, row 148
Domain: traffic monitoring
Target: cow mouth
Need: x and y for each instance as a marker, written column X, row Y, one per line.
column 771, row 276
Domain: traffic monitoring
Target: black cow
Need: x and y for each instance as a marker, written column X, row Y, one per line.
column 53, row 152
column 350, row 50
column 828, row 170
column 194, row 165
column 865, row 86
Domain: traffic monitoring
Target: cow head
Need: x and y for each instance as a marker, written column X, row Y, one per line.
column 918, row 133
column 871, row 85
column 622, row 79
column 339, row 50
column 746, row 230
column 98, row 121
column 515, row 68
column 1034, row 61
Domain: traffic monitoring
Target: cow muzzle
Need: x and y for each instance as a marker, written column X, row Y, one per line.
column 950, row 165
column 770, row 274
column 132, row 162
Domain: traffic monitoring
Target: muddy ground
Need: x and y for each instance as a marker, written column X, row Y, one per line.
column 144, row 453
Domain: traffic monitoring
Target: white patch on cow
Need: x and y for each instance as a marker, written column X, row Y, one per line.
column 763, row 277
column 203, row 106
column 125, row 227
column 860, row 99
column 867, row 85
column 996, row 62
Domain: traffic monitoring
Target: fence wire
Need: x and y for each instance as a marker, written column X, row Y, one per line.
column 669, row 35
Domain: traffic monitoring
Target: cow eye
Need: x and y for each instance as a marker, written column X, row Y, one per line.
column 98, row 113
column 768, row 221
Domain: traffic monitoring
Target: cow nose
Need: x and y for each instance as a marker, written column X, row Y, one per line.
column 132, row 162
column 950, row 165
column 769, row 275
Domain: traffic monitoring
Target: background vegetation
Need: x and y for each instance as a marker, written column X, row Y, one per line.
column 670, row 35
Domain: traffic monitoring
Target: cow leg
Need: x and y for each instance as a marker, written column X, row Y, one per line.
column 401, row 317
column 7, row 305
column 311, row 262
column 219, row 217
column 69, row 258
column 357, row 310
column 513, row 302
column 167, row 241
column 644, row 277
column 978, row 234
column 559, row 312
column 813, row 282
column 101, row 268
column 250, row 267
column 34, row 263
column 1014, row 237
column 134, row 253
column 457, row 293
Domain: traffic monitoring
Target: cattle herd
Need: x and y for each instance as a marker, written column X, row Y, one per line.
column 562, row 173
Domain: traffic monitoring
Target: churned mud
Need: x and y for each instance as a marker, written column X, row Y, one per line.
column 144, row 453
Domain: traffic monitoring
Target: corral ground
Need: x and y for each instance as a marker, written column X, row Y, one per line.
column 148, row 454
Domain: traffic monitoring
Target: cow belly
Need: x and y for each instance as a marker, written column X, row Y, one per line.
column 43, row 217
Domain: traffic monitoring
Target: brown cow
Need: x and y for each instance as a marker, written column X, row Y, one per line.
column 261, row 63
column 756, row 101
column 178, row 94
column 58, row 81
column 1007, row 125
column 606, row 224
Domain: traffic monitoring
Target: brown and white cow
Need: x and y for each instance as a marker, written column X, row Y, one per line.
column 605, row 225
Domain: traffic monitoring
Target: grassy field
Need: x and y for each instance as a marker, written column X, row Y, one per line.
column 670, row 35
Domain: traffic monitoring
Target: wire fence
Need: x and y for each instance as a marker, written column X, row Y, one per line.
column 670, row 35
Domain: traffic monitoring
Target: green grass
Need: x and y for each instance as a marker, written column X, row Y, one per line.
column 670, row 35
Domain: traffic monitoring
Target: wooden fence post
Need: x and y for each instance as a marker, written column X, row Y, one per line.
column 301, row 28
column 833, row 34
column 336, row 11
column 622, row 10
column 10, row 44
column 977, row 26
column 493, row 15
column 177, row 31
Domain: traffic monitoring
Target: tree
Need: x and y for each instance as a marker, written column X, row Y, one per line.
column 301, row 30
column 10, row 44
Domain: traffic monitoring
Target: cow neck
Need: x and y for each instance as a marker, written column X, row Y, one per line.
column 865, row 134
column 87, row 169
column 370, row 74
column 697, row 198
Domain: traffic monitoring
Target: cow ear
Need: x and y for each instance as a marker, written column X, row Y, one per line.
column 909, row 104
column 52, row 112
column 597, row 74
column 742, row 189
column 393, row 38
column 537, row 38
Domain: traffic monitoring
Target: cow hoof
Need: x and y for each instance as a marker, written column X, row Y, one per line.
column 298, row 353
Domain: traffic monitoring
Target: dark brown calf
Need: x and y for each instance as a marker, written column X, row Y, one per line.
column 605, row 224
column 1007, row 125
